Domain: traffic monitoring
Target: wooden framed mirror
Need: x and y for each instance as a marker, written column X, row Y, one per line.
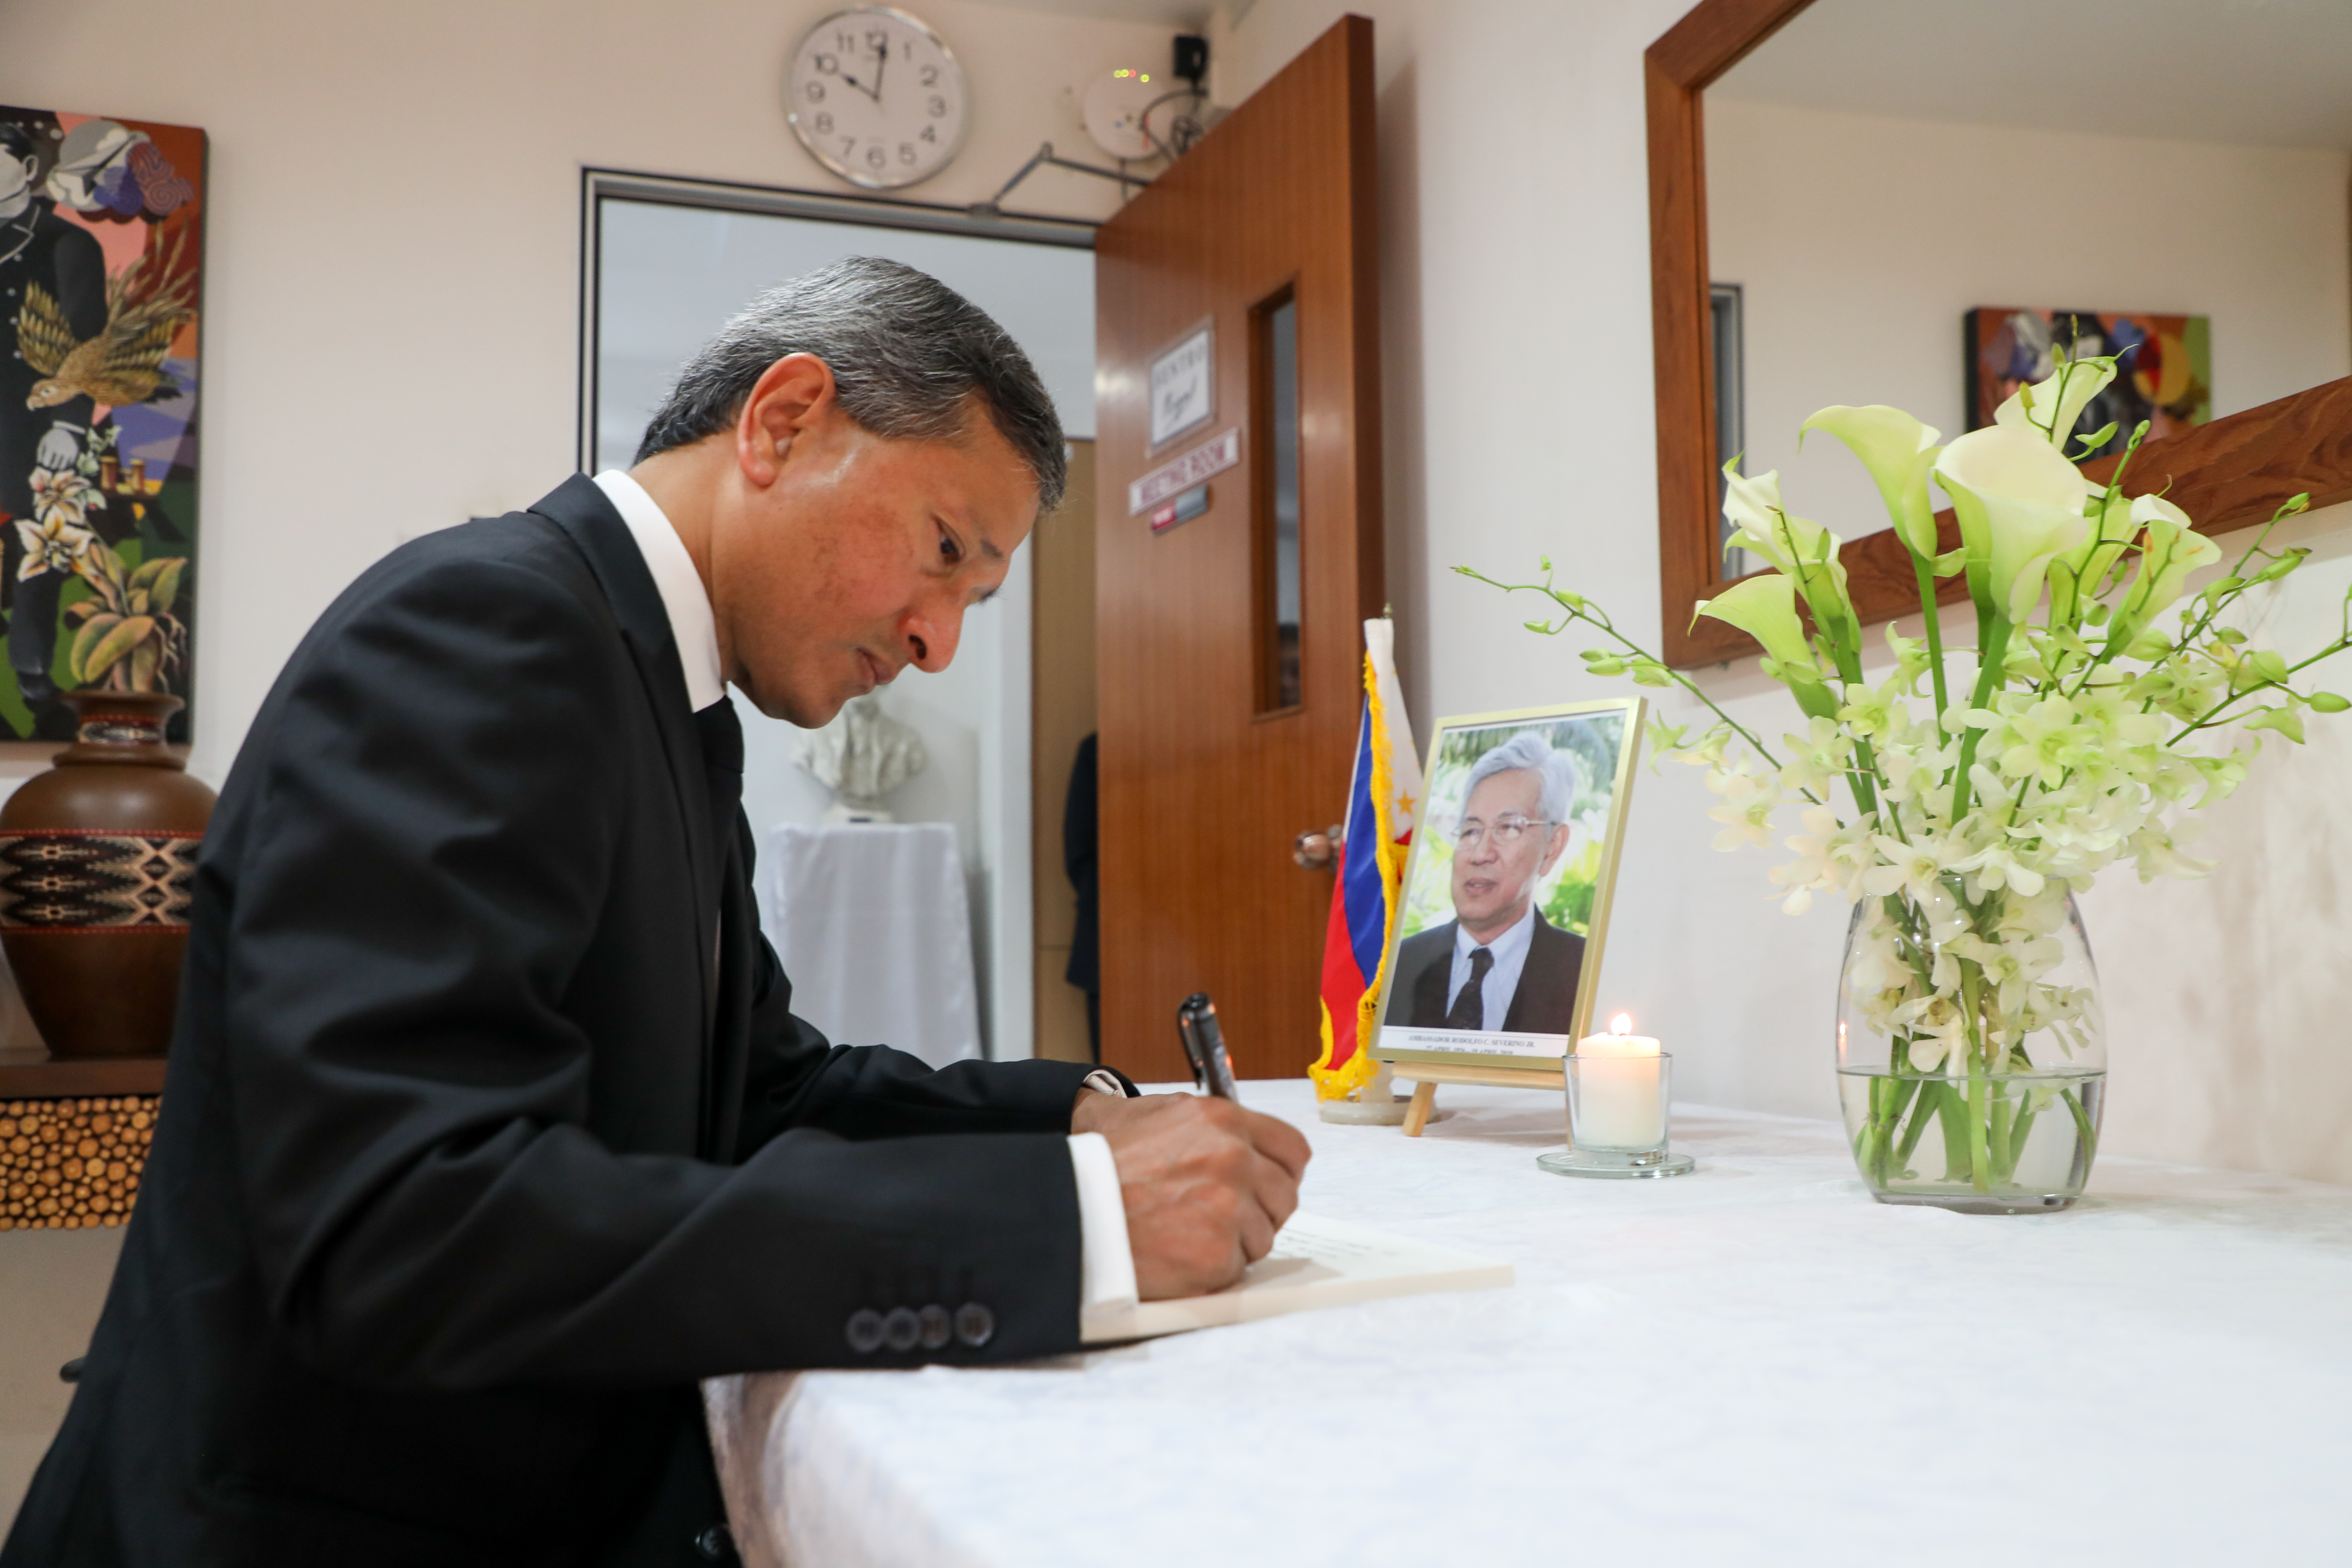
column 2230, row 471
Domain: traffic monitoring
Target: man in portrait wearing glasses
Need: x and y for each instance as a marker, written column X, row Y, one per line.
column 1499, row 966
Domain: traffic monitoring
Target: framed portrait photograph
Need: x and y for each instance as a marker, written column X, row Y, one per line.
column 1506, row 889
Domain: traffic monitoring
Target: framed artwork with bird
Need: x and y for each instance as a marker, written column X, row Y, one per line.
column 101, row 275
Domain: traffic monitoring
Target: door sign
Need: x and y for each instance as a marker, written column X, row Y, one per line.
column 1214, row 456
column 1183, row 388
column 1183, row 508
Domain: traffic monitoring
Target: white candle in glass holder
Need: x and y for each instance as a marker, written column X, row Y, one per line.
column 1617, row 1082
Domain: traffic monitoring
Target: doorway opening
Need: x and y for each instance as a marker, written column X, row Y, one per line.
column 665, row 263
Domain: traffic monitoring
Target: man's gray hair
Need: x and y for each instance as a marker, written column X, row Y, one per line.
column 1555, row 768
column 908, row 355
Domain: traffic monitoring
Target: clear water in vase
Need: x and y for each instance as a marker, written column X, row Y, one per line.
column 1972, row 1048
column 1912, row 1138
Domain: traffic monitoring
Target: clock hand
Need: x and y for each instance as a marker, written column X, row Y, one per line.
column 874, row 92
column 881, row 64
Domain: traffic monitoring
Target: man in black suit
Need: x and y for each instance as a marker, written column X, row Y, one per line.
column 488, row 1130
column 1499, row 966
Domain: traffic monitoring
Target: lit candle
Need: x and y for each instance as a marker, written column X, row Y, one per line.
column 1618, row 1086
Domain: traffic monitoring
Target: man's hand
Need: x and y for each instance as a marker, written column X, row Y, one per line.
column 1206, row 1184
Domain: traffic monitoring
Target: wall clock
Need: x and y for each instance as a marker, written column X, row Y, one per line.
column 877, row 96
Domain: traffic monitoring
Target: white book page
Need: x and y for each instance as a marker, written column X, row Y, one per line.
column 1315, row 1262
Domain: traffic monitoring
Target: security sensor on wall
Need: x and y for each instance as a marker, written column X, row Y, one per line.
column 1114, row 105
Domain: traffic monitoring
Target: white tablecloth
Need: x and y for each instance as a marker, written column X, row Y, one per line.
column 874, row 925
column 1751, row 1364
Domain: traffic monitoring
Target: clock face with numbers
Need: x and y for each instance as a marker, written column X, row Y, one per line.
column 878, row 97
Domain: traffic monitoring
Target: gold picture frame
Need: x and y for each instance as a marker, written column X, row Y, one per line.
column 1583, row 865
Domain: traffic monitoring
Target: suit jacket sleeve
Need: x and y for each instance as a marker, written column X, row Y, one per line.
column 798, row 1079
column 422, row 864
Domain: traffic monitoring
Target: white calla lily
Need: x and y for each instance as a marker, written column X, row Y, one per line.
column 1898, row 450
column 1765, row 607
column 2069, row 390
column 2019, row 507
column 1803, row 550
column 2173, row 550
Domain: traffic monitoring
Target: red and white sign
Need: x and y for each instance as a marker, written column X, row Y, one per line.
column 1214, row 456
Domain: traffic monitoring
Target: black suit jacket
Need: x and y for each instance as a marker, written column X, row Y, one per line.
column 488, row 1130
column 1544, row 1004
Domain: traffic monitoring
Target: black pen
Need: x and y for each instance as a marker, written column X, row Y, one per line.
column 1204, row 1046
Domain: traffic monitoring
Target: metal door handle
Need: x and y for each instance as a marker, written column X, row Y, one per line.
column 1319, row 851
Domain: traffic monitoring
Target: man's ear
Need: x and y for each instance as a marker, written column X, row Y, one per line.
column 1555, row 850
column 789, row 395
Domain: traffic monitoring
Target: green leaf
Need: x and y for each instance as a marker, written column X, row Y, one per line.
column 119, row 640
column 161, row 578
column 2285, row 720
column 97, row 625
column 2098, row 439
column 2328, row 702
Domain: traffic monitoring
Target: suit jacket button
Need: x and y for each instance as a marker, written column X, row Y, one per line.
column 865, row 1331
column 902, row 1329
column 937, row 1327
column 975, row 1325
column 714, row 1545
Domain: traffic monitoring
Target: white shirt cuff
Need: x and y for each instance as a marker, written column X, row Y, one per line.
column 1102, row 1080
column 1106, row 1266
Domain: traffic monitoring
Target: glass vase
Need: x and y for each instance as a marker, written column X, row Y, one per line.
column 1971, row 1050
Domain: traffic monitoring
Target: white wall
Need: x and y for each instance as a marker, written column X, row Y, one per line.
column 1515, row 255
column 391, row 294
column 1862, row 240
column 395, row 222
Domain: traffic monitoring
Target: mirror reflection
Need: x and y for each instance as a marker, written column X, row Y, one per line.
column 1916, row 199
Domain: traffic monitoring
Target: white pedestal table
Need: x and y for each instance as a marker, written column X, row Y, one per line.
column 873, row 923
column 1753, row 1363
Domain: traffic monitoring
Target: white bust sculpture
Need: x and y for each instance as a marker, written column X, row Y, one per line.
column 861, row 758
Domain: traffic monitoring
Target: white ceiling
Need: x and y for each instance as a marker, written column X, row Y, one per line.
column 1184, row 15
column 2262, row 72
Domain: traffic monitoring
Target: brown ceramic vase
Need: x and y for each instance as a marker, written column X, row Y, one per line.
column 98, row 860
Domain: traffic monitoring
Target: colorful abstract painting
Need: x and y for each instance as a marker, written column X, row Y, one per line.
column 2166, row 377
column 102, row 258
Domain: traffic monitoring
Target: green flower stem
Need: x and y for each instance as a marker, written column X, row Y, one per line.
column 2213, row 715
column 1998, row 1129
column 2083, row 1128
column 1990, row 672
column 1953, row 1114
column 1979, row 1113
column 1926, row 571
column 1580, row 612
column 2020, row 1130
column 1930, row 1101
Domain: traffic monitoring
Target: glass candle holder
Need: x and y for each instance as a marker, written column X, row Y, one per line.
column 1617, row 1117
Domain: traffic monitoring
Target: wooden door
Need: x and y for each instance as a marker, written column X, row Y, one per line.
column 1230, row 645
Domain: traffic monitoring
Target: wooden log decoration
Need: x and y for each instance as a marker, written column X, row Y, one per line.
column 72, row 1165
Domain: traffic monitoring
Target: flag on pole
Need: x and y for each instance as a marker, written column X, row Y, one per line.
column 1382, row 797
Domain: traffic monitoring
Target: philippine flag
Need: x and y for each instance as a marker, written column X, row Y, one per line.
column 1382, row 798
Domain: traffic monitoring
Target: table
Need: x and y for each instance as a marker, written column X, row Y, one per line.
column 1750, row 1364
column 872, row 923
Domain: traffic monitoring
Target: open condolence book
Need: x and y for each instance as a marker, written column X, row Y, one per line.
column 1315, row 1262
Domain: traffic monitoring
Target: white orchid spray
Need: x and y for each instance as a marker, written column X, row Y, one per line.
column 2084, row 728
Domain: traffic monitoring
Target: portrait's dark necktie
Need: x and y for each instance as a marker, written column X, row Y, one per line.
column 1469, row 1010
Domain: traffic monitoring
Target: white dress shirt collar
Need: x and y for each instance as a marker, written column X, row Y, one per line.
column 683, row 596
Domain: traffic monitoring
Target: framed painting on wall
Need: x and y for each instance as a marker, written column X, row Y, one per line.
column 2167, row 374
column 102, row 258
